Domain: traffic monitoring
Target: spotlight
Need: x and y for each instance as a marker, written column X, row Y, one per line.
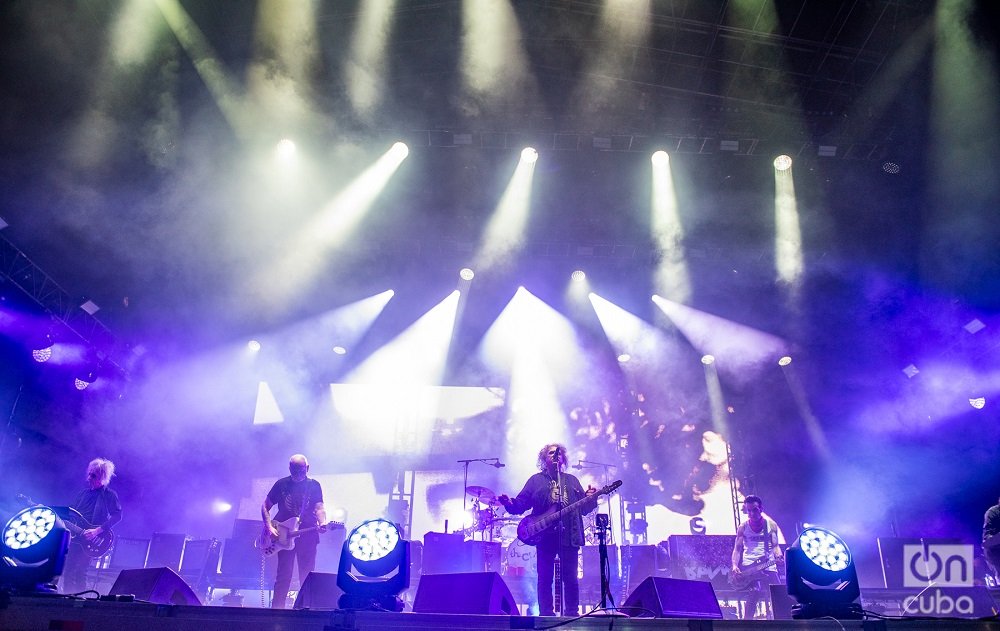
column 578, row 275
column 466, row 274
column 784, row 361
column 660, row 158
column 41, row 348
column 529, row 155
column 400, row 149
column 978, row 403
column 285, row 150
column 624, row 358
column 34, row 549
column 822, row 576
column 891, row 168
column 382, row 558
column 339, row 350
column 782, row 163
column 253, row 345
column 87, row 375
column 708, row 360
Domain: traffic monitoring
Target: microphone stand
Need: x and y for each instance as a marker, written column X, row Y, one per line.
column 602, row 549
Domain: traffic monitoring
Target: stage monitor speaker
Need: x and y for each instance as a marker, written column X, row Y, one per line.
column 158, row 585
column 673, row 598
column 450, row 553
column 318, row 591
column 469, row 593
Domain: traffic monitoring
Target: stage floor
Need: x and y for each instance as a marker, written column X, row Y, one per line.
column 39, row 613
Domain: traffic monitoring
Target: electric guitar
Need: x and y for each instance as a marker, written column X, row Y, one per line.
column 76, row 524
column 288, row 530
column 750, row 573
column 531, row 528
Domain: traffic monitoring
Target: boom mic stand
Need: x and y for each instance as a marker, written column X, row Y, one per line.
column 603, row 525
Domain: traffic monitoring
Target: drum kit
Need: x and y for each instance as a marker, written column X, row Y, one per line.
column 490, row 523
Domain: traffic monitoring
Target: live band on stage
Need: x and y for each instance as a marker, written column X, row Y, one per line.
column 539, row 540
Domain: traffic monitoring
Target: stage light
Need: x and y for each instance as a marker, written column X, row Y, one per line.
column 978, row 403
column 34, row 549
column 87, row 374
column 285, row 150
column 624, row 358
column 784, row 361
column 660, row 158
column 466, row 274
column 708, row 360
column 578, row 275
column 253, row 346
column 41, row 348
column 382, row 558
column 529, row 155
column 399, row 150
column 339, row 350
column 821, row 576
column 782, row 163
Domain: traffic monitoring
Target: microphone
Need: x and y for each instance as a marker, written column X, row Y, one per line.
column 578, row 466
column 499, row 465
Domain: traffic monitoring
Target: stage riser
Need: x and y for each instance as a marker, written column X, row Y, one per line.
column 36, row 613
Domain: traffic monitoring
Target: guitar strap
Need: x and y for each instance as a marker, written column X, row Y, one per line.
column 767, row 540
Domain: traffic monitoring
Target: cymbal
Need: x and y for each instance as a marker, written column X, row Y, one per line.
column 480, row 492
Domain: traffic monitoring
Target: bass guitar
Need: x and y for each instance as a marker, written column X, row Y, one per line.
column 288, row 531
column 750, row 573
column 75, row 523
column 531, row 528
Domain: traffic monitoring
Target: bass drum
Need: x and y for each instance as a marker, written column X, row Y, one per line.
column 520, row 559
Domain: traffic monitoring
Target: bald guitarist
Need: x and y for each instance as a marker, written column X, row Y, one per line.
column 296, row 495
column 755, row 555
column 545, row 492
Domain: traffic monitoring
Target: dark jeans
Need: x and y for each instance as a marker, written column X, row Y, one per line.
column 568, row 559
column 760, row 591
column 304, row 553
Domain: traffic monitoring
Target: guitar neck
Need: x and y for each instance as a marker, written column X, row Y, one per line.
column 302, row 531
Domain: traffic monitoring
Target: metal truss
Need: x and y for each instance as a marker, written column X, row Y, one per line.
column 58, row 303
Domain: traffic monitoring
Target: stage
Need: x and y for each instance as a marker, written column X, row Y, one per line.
column 37, row 613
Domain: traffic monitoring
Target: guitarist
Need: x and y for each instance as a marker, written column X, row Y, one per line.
column 296, row 495
column 543, row 492
column 98, row 504
column 991, row 528
column 756, row 545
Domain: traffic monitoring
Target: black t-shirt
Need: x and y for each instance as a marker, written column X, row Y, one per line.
column 100, row 507
column 296, row 499
column 991, row 522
